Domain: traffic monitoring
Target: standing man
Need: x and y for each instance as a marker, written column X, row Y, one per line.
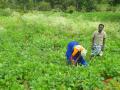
column 98, row 41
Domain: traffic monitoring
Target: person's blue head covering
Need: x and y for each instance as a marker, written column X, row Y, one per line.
column 70, row 48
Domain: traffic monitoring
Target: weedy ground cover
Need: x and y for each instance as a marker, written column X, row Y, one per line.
column 33, row 46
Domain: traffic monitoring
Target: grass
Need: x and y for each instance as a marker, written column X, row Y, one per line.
column 33, row 46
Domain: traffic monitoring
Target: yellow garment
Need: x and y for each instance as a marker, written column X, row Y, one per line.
column 76, row 49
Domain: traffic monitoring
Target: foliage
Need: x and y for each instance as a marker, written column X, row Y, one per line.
column 33, row 46
column 70, row 9
column 5, row 12
column 44, row 6
column 84, row 5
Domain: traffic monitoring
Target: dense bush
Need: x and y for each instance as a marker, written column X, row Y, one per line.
column 71, row 9
column 114, row 2
column 44, row 6
column 5, row 12
column 90, row 5
column 84, row 5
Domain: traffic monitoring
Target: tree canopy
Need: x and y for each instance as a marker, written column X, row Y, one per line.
column 87, row 5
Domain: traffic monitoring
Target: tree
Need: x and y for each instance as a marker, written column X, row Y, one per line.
column 114, row 2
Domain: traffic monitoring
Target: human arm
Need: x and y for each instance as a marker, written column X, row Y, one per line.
column 75, row 52
column 103, row 44
column 92, row 42
column 104, row 39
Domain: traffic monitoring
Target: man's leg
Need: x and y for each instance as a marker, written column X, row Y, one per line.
column 101, row 51
column 92, row 53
